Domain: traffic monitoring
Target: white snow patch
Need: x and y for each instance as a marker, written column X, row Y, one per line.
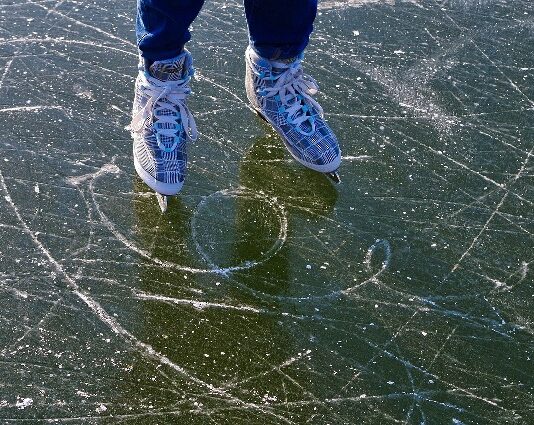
column 22, row 403
column 101, row 408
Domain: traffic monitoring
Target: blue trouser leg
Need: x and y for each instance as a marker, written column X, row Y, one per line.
column 278, row 29
column 162, row 27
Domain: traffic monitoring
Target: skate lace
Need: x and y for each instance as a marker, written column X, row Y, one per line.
column 164, row 100
column 294, row 90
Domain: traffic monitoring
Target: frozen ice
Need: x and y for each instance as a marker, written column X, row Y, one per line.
column 266, row 294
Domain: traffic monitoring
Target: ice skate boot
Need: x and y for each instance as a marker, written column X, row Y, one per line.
column 162, row 125
column 281, row 94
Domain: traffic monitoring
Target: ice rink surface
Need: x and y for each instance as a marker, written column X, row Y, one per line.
column 267, row 295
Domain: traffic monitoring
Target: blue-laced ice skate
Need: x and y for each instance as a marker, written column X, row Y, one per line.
column 281, row 93
column 162, row 125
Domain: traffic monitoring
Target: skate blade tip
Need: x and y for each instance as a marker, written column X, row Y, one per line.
column 162, row 201
column 334, row 176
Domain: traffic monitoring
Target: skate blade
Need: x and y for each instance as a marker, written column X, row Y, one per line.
column 260, row 115
column 334, row 176
column 162, row 201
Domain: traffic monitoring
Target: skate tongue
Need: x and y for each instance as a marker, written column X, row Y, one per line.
column 171, row 69
column 281, row 65
column 285, row 61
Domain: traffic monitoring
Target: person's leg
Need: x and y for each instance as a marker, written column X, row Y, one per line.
column 280, row 29
column 162, row 27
